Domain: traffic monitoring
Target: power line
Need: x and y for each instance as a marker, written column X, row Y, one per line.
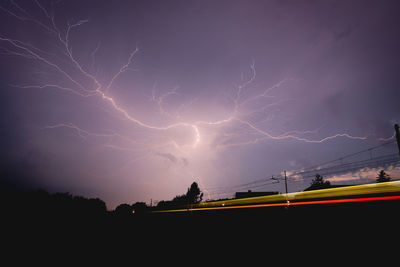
column 306, row 173
column 382, row 161
column 352, row 154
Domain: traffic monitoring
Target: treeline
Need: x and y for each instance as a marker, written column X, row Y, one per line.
column 39, row 204
column 319, row 183
column 192, row 196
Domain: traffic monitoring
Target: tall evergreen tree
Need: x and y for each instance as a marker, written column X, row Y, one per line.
column 382, row 177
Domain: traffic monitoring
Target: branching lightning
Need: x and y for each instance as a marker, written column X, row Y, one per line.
column 78, row 85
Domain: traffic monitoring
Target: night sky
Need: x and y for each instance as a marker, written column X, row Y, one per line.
column 134, row 100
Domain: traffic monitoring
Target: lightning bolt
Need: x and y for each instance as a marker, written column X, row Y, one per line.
column 101, row 90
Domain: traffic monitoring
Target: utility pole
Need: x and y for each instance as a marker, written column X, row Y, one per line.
column 287, row 200
column 396, row 127
column 285, row 182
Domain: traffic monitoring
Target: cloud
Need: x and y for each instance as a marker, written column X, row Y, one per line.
column 167, row 156
column 365, row 175
column 173, row 159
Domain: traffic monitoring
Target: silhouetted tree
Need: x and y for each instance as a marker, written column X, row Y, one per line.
column 139, row 207
column 318, row 183
column 123, row 210
column 182, row 199
column 194, row 195
column 163, row 204
column 382, row 177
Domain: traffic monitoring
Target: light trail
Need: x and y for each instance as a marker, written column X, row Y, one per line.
column 341, row 195
column 286, row 204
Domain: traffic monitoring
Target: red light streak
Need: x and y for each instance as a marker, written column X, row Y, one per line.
column 330, row 201
column 345, row 200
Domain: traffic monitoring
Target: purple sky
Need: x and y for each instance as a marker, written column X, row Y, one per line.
column 134, row 100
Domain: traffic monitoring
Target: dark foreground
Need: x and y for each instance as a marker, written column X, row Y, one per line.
column 293, row 233
column 372, row 217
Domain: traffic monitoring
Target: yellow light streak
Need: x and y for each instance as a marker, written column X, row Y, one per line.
column 297, row 197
